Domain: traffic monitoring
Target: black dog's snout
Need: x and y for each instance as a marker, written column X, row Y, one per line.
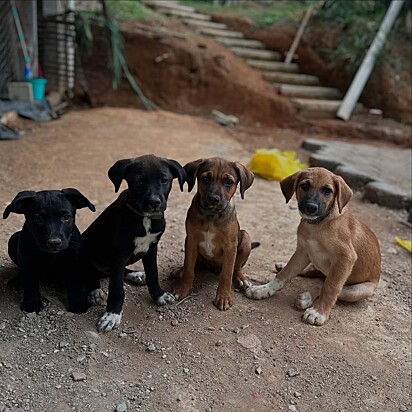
column 213, row 199
column 54, row 242
column 154, row 202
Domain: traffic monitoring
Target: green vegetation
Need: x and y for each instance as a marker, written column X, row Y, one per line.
column 127, row 10
column 276, row 12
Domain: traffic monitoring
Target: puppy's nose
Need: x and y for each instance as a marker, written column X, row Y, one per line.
column 54, row 242
column 213, row 199
column 311, row 208
column 154, row 202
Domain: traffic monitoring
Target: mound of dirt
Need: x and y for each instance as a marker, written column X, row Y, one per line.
column 185, row 74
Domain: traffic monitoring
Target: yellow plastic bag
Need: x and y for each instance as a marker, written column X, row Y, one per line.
column 273, row 164
column 406, row 244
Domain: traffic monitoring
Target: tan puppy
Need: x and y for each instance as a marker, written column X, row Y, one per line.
column 214, row 238
column 338, row 245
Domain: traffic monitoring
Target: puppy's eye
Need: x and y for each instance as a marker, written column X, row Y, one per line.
column 229, row 182
column 164, row 180
column 205, row 179
column 305, row 186
column 65, row 218
column 327, row 191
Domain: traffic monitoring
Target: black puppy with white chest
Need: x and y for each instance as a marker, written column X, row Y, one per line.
column 49, row 244
column 129, row 229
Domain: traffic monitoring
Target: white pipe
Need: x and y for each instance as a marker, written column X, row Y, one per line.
column 364, row 71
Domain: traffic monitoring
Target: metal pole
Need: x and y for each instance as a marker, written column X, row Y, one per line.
column 364, row 71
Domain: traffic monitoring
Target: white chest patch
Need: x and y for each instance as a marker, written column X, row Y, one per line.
column 318, row 256
column 207, row 244
column 142, row 244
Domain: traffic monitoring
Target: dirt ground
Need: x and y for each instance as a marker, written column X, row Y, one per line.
column 258, row 356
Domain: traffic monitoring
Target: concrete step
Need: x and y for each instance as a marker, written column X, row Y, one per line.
column 273, row 66
column 220, row 33
column 185, row 14
column 204, row 23
column 311, row 92
column 291, row 78
column 320, row 107
column 247, row 53
column 255, row 44
column 170, row 4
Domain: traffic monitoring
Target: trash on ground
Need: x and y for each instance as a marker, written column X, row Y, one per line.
column 224, row 119
column 406, row 244
column 274, row 164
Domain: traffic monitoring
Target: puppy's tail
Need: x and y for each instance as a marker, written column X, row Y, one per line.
column 254, row 245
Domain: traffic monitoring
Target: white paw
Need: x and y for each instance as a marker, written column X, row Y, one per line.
column 97, row 297
column 264, row 291
column 137, row 278
column 244, row 284
column 313, row 317
column 109, row 321
column 165, row 299
column 304, row 300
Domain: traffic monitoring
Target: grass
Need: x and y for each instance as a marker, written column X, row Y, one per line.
column 128, row 10
column 278, row 12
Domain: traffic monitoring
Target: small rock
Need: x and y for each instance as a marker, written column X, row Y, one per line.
column 174, row 322
column 186, row 370
column 219, row 343
column 292, row 408
column 150, row 347
column 236, row 330
column 210, row 328
column 78, row 376
column 292, row 373
column 121, row 407
column 297, row 394
column 31, row 315
column 249, row 341
column 258, row 370
column 63, row 345
column 179, row 398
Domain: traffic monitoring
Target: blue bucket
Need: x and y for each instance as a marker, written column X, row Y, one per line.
column 39, row 86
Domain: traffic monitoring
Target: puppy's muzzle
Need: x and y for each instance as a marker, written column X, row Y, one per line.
column 54, row 244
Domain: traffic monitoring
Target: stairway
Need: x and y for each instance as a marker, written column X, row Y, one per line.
column 304, row 91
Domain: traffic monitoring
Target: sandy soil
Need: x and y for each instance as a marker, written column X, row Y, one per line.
column 258, row 356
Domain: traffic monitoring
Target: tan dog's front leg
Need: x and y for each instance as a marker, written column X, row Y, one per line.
column 223, row 300
column 319, row 313
column 296, row 264
column 186, row 281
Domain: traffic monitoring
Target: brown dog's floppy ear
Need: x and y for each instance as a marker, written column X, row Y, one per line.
column 19, row 203
column 177, row 171
column 118, row 171
column 343, row 192
column 288, row 185
column 246, row 177
column 191, row 169
column 78, row 200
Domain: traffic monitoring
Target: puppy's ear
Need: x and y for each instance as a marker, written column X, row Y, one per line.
column 289, row 184
column 343, row 192
column 191, row 170
column 77, row 199
column 19, row 203
column 118, row 172
column 177, row 171
column 246, row 177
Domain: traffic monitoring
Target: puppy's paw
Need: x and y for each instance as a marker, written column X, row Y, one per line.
column 97, row 297
column 244, row 284
column 223, row 301
column 304, row 301
column 313, row 317
column 176, row 273
column 108, row 322
column 181, row 292
column 165, row 299
column 137, row 278
column 264, row 291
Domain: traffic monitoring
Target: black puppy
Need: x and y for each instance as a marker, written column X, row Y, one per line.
column 49, row 243
column 129, row 229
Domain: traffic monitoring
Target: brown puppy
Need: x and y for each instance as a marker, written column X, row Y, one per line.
column 214, row 238
column 342, row 248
